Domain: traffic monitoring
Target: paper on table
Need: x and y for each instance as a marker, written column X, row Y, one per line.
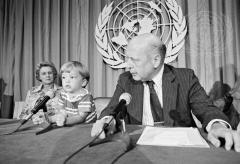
column 180, row 137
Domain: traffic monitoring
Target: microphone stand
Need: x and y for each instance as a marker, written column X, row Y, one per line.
column 24, row 121
column 49, row 125
column 21, row 124
column 120, row 136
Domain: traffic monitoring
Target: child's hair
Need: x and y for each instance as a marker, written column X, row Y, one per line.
column 45, row 64
column 83, row 71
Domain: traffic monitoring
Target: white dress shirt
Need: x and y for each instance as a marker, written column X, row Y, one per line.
column 147, row 118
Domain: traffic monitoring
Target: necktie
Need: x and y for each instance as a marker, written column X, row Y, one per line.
column 157, row 111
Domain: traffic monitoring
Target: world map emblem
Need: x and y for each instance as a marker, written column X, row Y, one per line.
column 120, row 22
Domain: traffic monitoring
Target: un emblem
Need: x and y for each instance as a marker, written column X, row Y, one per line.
column 117, row 24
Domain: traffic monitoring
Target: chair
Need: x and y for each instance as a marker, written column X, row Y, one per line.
column 100, row 104
column 18, row 107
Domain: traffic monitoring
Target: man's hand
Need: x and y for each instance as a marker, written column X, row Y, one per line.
column 98, row 127
column 231, row 137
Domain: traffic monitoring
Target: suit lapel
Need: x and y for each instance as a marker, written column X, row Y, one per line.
column 169, row 91
column 136, row 108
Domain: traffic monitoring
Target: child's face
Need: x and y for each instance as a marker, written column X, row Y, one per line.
column 72, row 82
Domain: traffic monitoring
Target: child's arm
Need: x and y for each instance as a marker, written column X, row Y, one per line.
column 59, row 118
column 60, row 114
column 76, row 119
column 62, row 118
column 86, row 106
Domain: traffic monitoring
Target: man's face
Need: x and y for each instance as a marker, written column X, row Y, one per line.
column 140, row 63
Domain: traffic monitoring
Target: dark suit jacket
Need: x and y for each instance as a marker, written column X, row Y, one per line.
column 182, row 93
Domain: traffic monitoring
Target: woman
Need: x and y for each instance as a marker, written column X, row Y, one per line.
column 46, row 74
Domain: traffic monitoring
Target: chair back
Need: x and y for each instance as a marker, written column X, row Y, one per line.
column 101, row 103
column 18, row 107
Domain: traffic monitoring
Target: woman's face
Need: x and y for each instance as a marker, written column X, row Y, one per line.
column 46, row 75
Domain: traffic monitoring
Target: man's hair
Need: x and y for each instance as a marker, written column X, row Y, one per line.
column 83, row 71
column 161, row 48
column 156, row 44
column 153, row 41
column 45, row 64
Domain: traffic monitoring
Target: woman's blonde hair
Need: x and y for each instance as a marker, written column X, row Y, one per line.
column 83, row 71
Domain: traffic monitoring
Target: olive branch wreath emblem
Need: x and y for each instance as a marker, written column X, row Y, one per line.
column 174, row 45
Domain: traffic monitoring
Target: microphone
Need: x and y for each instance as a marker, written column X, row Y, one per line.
column 118, row 114
column 124, row 100
column 40, row 104
column 120, row 111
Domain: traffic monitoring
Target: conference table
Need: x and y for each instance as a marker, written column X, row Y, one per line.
column 58, row 143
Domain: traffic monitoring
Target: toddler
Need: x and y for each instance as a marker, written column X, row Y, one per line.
column 75, row 102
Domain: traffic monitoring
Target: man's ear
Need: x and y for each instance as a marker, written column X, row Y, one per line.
column 84, row 83
column 156, row 60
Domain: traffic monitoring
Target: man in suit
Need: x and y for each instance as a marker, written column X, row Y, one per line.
column 178, row 92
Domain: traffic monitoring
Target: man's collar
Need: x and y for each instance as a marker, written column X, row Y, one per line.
column 158, row 78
